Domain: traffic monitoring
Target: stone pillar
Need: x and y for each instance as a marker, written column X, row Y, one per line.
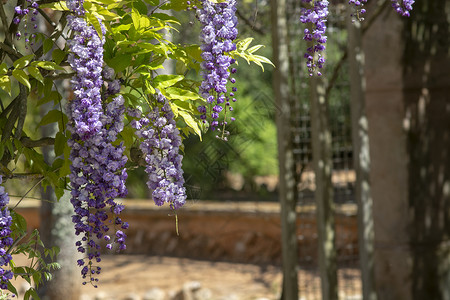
column 408, row 106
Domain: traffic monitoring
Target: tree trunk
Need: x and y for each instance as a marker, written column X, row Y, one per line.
column 322, row 160
column 408, row 108
column 285, row 151
column 361, row 157
column 56, row 229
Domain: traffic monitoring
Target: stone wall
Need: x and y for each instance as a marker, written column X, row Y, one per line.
column 246, row 232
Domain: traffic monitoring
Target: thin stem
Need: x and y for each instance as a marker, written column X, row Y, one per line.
column 23, row 197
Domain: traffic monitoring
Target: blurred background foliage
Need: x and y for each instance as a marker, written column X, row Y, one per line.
column 246, row 167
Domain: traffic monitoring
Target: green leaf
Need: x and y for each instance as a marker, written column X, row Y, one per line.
column 58, row 55
column 55, row 5
column 23, row 61
column 243, row 44
column 53, row 116
column 175, row 5
column 122, row 27
column 254, row 48
column 262, row 59
column 60, row 142
column 22, row 77
column 93, row 19
column 18, row 222
column 2, row 150
column 65, row 169
column 48, row 45
column 120, row 62
column 135, row 16
column 180, row 94
column 166, row 17
column 195, row 52
column 5, row 84
column 189, row 120
column 164, row 81
column 12, row 289
column 52, row 95
column 149, row 88
column 152, row 2
column 9, row 145
column 35, row 159
column 3, row 69
column 34, row 71
column 59, row 192
column 49, row 65
column 127, row 135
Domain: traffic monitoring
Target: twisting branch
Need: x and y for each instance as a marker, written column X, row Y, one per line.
column 23, row 176
column 9, row 50
column 6, row 110
column 29, row 143
column 60, row 76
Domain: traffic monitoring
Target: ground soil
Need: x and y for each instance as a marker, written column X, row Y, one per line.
column 124, row 275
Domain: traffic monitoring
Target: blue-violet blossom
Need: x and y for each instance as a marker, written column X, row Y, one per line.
column 97, row 171
column 218, row 22
column 160, row 144
column 315, row 15
column 358, row 4
column 5, row 238
column 403, row 7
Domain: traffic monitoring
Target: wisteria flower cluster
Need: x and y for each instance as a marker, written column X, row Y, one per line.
column 315, row 17
column 98, row 166
column 403, row 7
column 23, row 13
column 86, row 59
column 5, row 238
column 359, row 4
column 218, row 22
column 76, row 6
column 160, row 145
column 98, row 177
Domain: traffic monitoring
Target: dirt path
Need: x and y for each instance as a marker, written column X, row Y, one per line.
column 126, row 275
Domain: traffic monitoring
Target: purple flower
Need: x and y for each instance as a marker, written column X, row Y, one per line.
column 403, row 7
column 218, row 22
column 76, row 6
column 160, row 144
column 315, row 15
column 86, row 60
column 5, row 238
column 98, row 164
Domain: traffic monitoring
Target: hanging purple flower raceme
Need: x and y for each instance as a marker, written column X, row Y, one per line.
column 359, row 8
column 86, row 59
column 97, row 171
column 160, row 144
column 403, row 7
column 315, row 15
column 98, row 177
column 218, row 22
column 5, row 238
column 27, row 14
